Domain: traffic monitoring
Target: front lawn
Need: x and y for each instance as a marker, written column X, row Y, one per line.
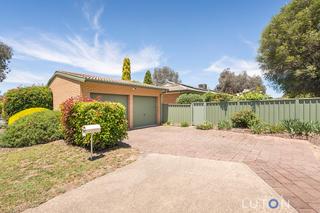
column 32, row 175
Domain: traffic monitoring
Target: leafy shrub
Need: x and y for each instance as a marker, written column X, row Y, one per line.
column 36, row 128
column 253, row 95
column 16, row 100
column 315, row 127
column 24, row 113
column 210, row 97
column 258, row 128
column 189, row 98
column 110, row 116
column 261, row 127
column 244, row 119
column 224, row 124
column 184, row 124
column 274, row 128
column 297, row 127
column 205, row 126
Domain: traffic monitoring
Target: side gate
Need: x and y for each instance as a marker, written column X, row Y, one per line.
column 198, row 113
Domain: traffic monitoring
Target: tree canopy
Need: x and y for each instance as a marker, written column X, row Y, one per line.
column 5, row 56
column 126, row 69
column 147, row 78
column 231, row 83
column 289, row 48
column 162, row 74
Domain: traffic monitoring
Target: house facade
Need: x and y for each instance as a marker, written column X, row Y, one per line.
column 142, row 101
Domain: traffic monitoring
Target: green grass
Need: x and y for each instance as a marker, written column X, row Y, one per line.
column 30, row 176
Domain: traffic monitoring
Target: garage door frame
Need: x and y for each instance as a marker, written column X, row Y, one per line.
column 154, row 121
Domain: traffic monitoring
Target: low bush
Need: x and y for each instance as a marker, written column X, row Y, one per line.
column 24, row 113
column 205, row 126
column 16, row 100
column 258, row 128
column 275, row 128
column 189, row 98
column 225, row 124
column 184, row 124
column 244, row 119
column 36, row 128
column 210, row 97
column 261, row 127
column 110, row 116
column 168, row 123
column 297, row 127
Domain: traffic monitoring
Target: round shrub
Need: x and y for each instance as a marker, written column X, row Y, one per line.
column 110, row 116
column 16, row 100
column 36, row 128
column 189, row 98
column 24, row 113
column 244, row 119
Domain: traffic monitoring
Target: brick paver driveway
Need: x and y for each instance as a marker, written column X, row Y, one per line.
column 289, row 166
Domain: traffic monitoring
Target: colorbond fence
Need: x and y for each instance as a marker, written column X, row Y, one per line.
column 270, row 111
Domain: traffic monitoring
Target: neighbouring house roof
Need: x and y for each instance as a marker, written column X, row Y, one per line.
column 82, row 77
column 178, row 87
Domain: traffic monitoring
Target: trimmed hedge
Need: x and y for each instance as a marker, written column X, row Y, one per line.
column 189, row 98
column 16, row 100
column 24, row 113
column 110, row 116
column 37, row 128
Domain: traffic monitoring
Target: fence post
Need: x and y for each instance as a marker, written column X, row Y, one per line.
column 191, row 108
column 297, row 109
column 205, row 111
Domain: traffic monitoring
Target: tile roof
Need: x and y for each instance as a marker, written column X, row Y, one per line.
column 177, row 87
column 82, row 77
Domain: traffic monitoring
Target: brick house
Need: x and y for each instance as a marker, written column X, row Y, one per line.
column 142, row 101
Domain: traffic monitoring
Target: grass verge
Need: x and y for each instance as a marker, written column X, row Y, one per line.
column 30, row 176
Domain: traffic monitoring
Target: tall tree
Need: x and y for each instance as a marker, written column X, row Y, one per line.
column 147, row 78
column 289, row 48
column 162, row 74
column 126, row 69
column 5, row 56
column 231, row 83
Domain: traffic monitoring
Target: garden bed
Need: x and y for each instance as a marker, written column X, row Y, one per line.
column 32, row 175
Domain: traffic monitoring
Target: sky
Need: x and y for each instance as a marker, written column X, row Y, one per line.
column 198, row 39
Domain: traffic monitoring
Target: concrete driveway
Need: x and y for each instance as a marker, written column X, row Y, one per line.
column 167, row 183
column 291, row 167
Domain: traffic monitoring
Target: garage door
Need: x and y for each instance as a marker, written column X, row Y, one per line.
column 144, row 111
column 122, row 99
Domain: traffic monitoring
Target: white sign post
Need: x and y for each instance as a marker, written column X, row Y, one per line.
column 91, row 129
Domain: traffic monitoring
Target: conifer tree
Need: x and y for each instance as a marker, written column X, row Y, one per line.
column 126, row 69
column 147, row 78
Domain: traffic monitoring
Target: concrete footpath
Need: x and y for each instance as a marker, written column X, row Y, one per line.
column 166, row 183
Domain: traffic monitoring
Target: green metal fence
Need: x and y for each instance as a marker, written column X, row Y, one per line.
column 270, row 111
